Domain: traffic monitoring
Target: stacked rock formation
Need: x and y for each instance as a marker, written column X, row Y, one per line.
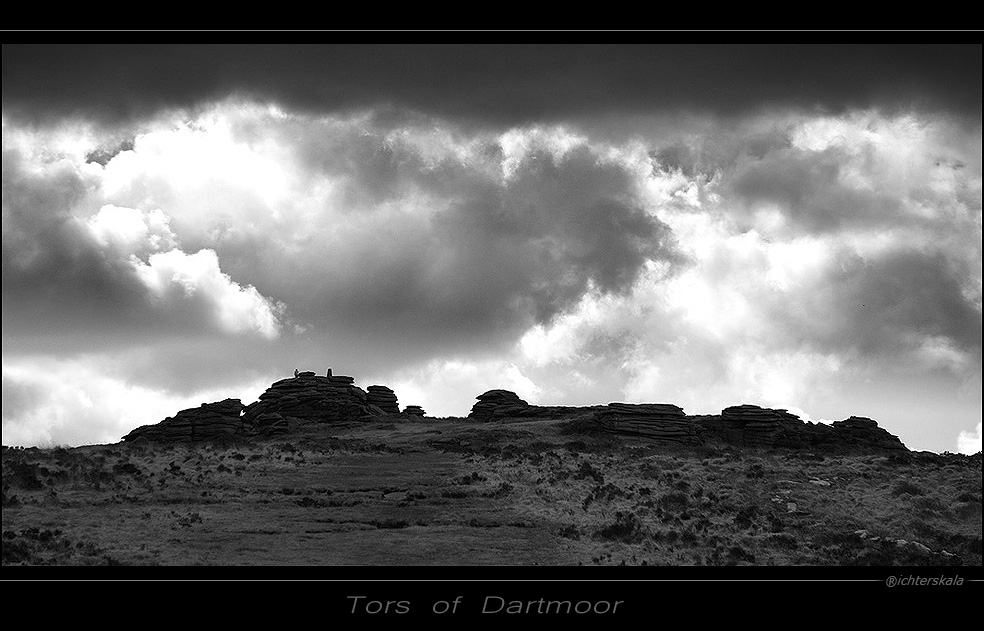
column 308, row 398
column 211, row 421
column 383, row 398
column 497, row 404
column 859, row 431
column 753, row 426
column 759, row 426
column 660, row 422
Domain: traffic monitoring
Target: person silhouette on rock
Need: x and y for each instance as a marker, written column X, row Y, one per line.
column 296, row 373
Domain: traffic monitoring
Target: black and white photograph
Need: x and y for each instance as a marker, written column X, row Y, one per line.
column 566, row 305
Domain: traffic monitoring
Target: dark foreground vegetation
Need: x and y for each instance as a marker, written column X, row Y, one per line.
column 425, row 491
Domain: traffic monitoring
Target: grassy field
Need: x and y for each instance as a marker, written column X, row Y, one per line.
column 455, row 492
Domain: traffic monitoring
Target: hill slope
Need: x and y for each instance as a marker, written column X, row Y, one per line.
column 545, row 490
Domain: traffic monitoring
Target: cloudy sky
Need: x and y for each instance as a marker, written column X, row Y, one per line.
column 789, row 226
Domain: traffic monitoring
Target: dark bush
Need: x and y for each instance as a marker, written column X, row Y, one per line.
column 905, row 487
column 26, row 475
column 737, row 554
column 570, row 532
column 745, row 517
column 626, row 528
column 587, row 470
column 502, row 490
column 390, row 523
column 126, row 468
column 674, row 502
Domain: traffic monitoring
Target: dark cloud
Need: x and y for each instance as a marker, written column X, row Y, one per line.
column 53, row 271
column 108, row 151
column 883, row 306
column 807, row 187
column 584, row 221
column 501, row 253
column 20, row 397
column 31, row 201
column 675, row 157
column 898, row 178
column 489, row 83
column 907, row 296
column 424, row 249
column 185, row 364
column 719, row 148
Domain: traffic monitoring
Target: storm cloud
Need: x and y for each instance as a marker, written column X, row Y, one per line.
column 541, row 223
column 389, row 235
column 64, row 271
column 490, row 83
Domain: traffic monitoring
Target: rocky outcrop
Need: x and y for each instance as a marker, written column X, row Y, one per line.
column 383, row 398
column 659, row 422
column 287, row 404
column 858, row 431
column 496, row 405
column 759, row 426
column 270, row 424
column 308, row 398
column 211, row 421
column 741, row 425
column 754, row 426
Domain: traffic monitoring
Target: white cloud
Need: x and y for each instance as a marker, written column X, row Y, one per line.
column 132, row 231
column 803, row 414
column 778, row 379
column 561, row 339
column 70, row 402
column 449, row 387
column 969, row 442
column 174, row 275
column 515, row 380
column 518, row 144
column 183, row 164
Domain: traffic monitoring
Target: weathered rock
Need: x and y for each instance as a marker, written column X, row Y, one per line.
column 758, row 426
column 308, row 398
column 858, row 431
column 753, row 426
column 743, row 425
column 497, row 404
column 383, row 398
column 211, row 421
column 271, row 423
column 659, row 422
